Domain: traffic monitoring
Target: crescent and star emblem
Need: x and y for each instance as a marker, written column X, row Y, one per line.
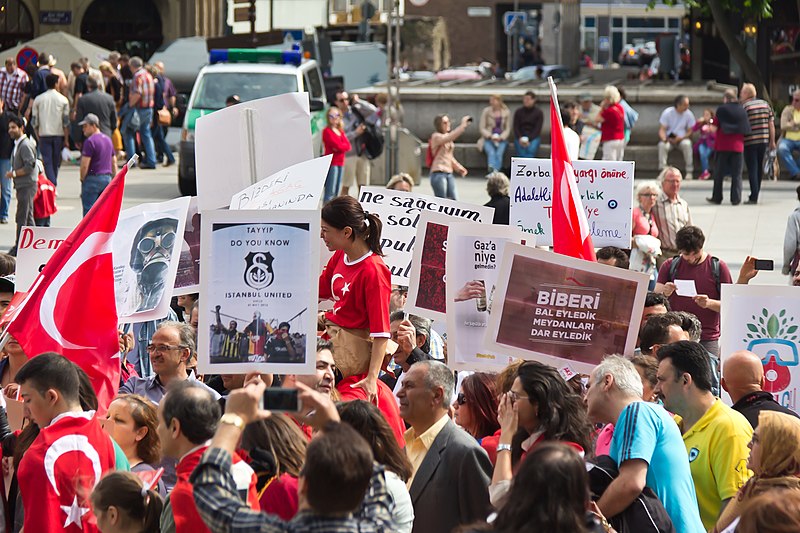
column 333, row 281
column 65, row 444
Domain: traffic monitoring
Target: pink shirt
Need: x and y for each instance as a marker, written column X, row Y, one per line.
column 643, row 226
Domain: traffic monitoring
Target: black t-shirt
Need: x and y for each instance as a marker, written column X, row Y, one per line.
column 80, row 84
column 277, row 351
column 752, row 404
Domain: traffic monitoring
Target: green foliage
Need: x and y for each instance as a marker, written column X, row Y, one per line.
column 754, row 9
column 771, row 326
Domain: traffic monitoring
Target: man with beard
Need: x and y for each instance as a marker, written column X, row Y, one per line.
column 150, row 257
column 234, row 344
column 257, row 333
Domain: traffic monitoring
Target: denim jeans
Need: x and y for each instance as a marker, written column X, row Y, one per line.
column 788, row 161
column 494, row 154
column 527, row 151
column 754, row 159
column 146, row 134
column 160, row 144
column 333, row 183
column 91, row 189
column 704, row 151
column 5, row 197
column 50, row 147
column 444, row 185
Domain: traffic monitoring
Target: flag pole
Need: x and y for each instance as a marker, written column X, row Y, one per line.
column 554, row 101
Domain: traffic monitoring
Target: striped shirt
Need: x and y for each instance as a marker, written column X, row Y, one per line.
column 670, row 216
column 11, row 85
column 144, row 86
column 760, row 114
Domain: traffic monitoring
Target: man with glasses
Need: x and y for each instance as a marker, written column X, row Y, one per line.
column 170, row 349
column 790, row 141
column 354, row 114
column 671, row 213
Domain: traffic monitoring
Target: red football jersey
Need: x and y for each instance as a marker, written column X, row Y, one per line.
column 360, row 290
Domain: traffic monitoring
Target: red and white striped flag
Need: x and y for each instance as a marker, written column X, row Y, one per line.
column 570, row 227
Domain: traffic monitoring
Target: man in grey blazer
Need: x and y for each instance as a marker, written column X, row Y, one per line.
column 450, row 482
column 23, row 173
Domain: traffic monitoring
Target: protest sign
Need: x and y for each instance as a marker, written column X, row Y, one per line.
column 297, row 187
column 258, row 278
column 400, row 213
column 146, row 258
column 606, row 189
column 426, row 286
column 237, row 146
column 187, row 280
column 473, row 258
column 37, row 244
column 564, row 311
column 764, row 320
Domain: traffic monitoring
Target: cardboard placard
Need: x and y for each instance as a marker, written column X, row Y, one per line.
column 299, row 186
column 187, row 280
column 37, row 244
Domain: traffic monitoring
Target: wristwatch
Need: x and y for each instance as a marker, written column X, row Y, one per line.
column 233, row 419
column 503, row 448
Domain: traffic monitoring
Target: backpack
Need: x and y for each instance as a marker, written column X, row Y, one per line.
column 429, row 155
column 673, row 268
column 645, row 515
column 371, row 141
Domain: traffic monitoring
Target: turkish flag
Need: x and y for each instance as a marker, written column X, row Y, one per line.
column 570, row 228
column 70, row 308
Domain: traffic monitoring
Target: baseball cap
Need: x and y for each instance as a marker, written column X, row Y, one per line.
column 90, row 118
column 8, row 283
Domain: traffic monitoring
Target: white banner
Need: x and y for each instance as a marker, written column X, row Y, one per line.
column 146, row 251
column 187, row 280
column 473, row 259
column 764, row 319
column 237, row 146
column 259, row 284
column 297, row 187
column 37, row 244
column 606, row 189
column 400, row 213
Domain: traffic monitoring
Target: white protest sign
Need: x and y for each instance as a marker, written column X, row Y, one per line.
column 187, row 280
column 765, row 320
column 564, row 311
column 400, row 213
column 606, row 189
column 146, row 252
column 37, row 244
column 473, row 259
column 259, row 272
column 238, row 145
column 297, row 187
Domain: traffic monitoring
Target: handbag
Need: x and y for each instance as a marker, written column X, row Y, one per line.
column 771, row 168
column 164, row 117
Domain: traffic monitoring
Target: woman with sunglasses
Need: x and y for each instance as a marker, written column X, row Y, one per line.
column 540, row 407
column 475, row 407
column 335, row 142
column 645, row 246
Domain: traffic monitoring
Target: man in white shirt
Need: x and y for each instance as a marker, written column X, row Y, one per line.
column 50, row 118
column 676, row 132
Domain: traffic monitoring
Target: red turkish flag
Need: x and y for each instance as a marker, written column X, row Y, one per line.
column 70, row 308
column 570, row 228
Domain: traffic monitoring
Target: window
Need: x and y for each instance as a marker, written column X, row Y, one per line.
column 589, row 22
column 313, row 83
column 216, row 87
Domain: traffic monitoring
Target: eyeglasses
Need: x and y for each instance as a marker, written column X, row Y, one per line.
column 163, row 348
column 341, row 99
column 515, row 396
column 461, row 399
column 334, row 115
column 148, row 244
column 649, row 194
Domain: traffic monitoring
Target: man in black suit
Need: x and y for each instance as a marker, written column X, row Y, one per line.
column 743, row 379
column 451, row 472
column 101, row 104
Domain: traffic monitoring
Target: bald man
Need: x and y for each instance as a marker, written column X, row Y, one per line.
column 743, row 379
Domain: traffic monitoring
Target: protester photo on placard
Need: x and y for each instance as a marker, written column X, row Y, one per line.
column 764, row 320
column 37, row 244
column 606, row 189
column 400, row 213
column 561, row 310
column 473, row 258
column 258, row 307
column 299, row 186
column 146, row 256
column 187, row 280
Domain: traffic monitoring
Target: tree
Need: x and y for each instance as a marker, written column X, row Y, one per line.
column 718, row 10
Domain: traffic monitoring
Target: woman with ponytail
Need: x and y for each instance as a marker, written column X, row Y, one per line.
column 359, row 283
column 121, row 504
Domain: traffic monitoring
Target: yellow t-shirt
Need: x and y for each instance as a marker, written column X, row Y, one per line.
column 794, row 135
column 717, row 448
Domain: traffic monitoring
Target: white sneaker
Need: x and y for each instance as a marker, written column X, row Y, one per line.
column 688, row 176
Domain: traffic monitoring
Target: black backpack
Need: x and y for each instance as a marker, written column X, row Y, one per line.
column 371, row 141
column 673, row 269
column 645, row 515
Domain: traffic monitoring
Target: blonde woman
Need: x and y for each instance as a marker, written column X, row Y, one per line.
column 401, row 182
column 495, row 126
column 645, row 247
column 611, row 120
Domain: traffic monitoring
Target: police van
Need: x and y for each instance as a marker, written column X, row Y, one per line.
column 250, row 74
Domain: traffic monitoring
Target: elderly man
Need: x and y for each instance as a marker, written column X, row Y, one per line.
column 790, row 139
column 646, row 446
column 412, row 334
column 100, row 103
column 12, row 82
column 731, row 124
column 743, row 380
column 671, row 213
column 451, row 472
column 171, row 347
column 675, row 131
column 715, row 436
column 760, row 138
